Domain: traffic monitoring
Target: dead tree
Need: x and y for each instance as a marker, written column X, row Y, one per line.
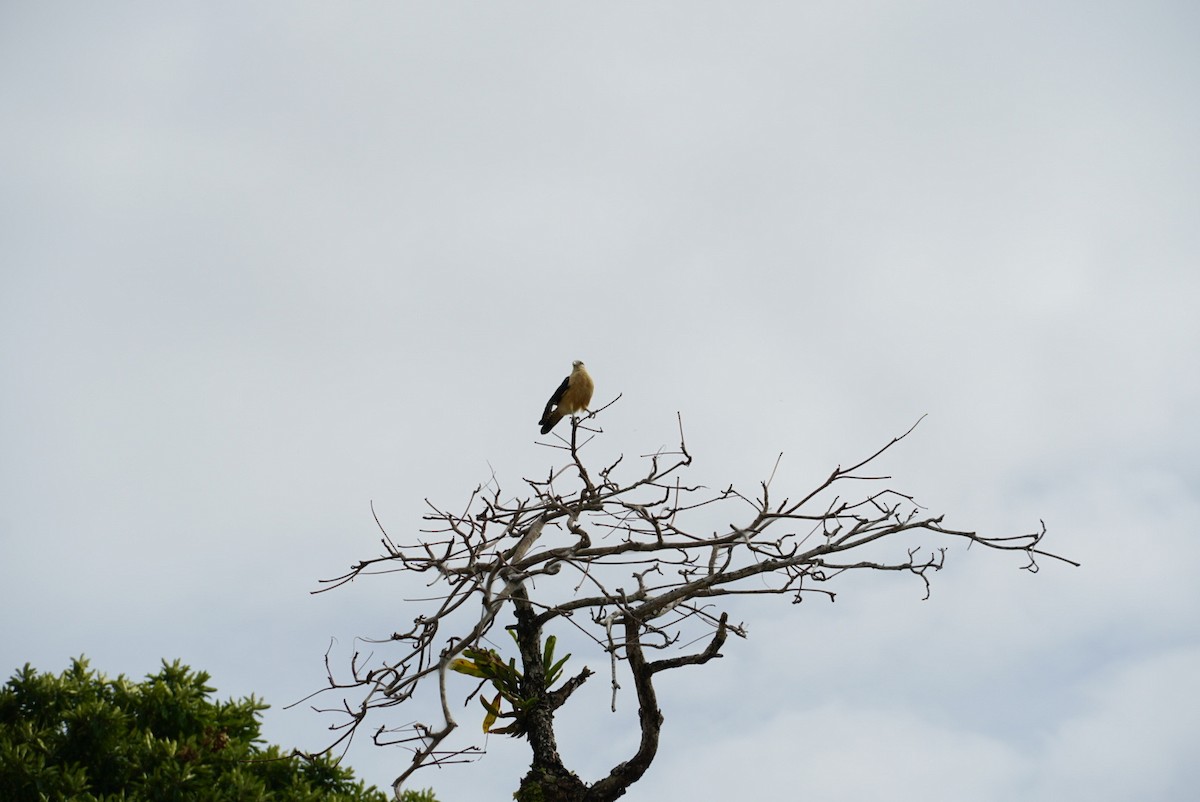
column 629, row 563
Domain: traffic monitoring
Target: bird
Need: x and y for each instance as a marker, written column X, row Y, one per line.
column 573, row 395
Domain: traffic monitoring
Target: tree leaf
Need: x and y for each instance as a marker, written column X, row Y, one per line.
column 555, row 671
column 467, row 667
column 493, row 712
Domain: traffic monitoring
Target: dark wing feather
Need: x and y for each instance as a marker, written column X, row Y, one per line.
column 554, row 399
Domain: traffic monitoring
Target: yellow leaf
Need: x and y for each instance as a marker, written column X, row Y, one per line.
column 467, row 667
column 493, row 712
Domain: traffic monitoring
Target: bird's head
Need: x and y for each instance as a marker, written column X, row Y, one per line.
column 577, row 364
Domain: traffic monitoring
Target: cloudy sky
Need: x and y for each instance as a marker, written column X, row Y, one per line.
column 263, row 264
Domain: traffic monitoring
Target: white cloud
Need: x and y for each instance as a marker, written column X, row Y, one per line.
column 835, row 751
column 1134, row 737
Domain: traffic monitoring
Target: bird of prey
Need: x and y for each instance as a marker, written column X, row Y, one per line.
column 573, row 395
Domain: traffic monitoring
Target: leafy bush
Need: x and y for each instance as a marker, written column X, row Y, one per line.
column 82, row 736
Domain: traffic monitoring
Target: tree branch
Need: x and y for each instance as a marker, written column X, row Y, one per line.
column 645, row 566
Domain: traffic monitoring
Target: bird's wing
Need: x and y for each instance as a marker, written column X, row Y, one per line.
column 554, row 399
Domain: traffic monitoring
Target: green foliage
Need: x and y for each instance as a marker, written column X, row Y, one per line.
column 417, row 796
column 487, row 664
column 82, row 736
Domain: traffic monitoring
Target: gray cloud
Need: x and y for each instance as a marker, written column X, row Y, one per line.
column 264, row 265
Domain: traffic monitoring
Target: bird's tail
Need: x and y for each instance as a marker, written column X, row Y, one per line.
column 549, row 421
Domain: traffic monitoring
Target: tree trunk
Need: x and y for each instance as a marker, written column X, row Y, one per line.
column 548, row 779
column 544, row 784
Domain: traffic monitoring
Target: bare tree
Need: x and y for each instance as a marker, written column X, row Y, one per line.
column 630, row 567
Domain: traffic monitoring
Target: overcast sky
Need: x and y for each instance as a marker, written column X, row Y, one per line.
column 261, row 264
